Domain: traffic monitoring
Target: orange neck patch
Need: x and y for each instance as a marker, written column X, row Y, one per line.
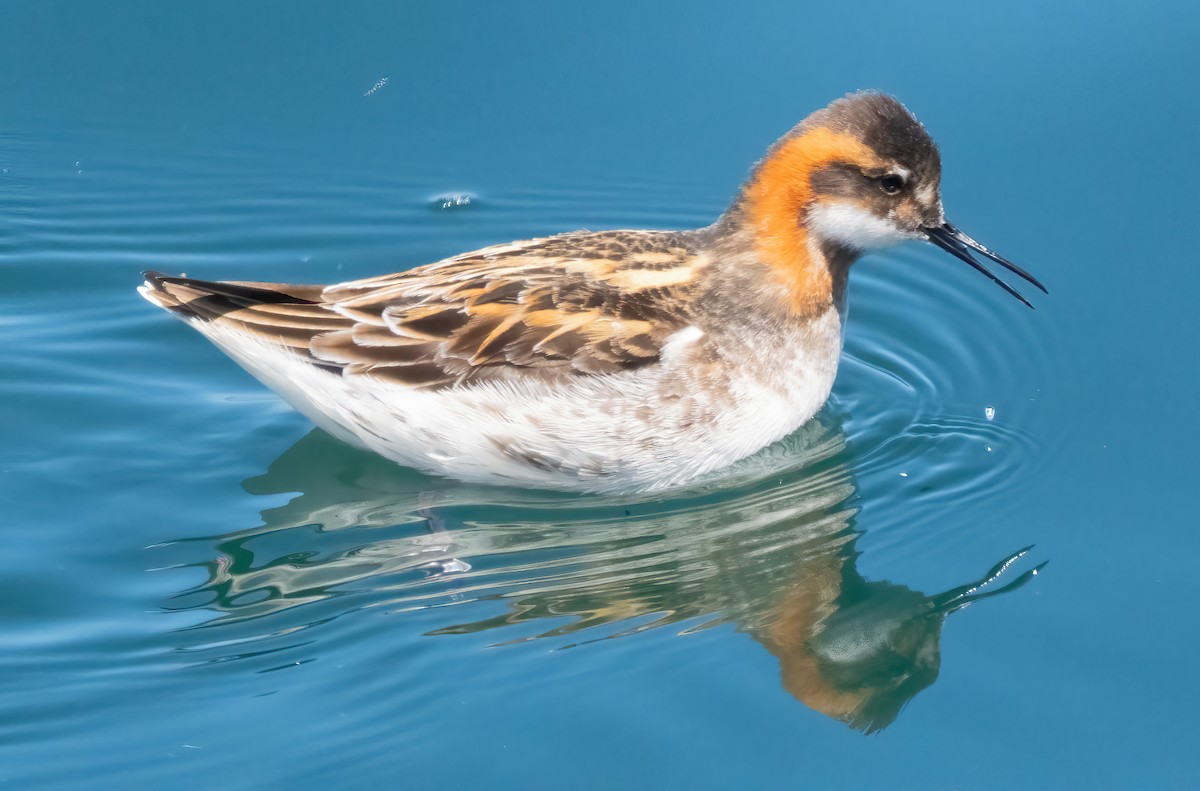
column 776, row 198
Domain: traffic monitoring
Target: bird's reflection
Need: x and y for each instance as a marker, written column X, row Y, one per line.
column 769, row 547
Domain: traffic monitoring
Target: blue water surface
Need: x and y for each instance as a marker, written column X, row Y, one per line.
column 200, row 590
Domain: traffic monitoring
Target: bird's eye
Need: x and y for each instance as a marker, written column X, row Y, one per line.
column 891, row 183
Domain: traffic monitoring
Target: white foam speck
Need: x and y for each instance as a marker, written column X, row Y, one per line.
column 989, row 413
column 382, row 81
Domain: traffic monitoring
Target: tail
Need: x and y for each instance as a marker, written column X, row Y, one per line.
column 285, row 314
column 268, row 329
column 207, row 299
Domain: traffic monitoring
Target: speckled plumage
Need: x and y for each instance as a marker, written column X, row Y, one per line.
column 609, row 361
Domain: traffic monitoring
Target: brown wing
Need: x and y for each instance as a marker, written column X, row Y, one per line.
column 568, row 305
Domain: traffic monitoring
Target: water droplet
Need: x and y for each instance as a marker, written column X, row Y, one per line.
column 453, row 200
column 904, row 475
column 990, row 413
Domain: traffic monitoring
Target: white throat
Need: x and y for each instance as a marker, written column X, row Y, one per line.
column 851, row 226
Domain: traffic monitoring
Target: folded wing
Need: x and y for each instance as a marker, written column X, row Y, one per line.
column 589, row 304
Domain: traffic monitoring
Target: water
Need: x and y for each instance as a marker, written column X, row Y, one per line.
column 198, row 589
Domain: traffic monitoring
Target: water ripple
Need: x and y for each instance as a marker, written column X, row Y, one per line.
column 772, row 555
column 346, row 539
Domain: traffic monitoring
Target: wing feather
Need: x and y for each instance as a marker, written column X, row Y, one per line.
column 577, row 304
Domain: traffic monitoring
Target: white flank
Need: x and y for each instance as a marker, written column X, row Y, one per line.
column 680, row 340
column 644, row 430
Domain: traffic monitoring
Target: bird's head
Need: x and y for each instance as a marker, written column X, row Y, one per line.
column 859, row 175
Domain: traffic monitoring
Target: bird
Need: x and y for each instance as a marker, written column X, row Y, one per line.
column 615, row 361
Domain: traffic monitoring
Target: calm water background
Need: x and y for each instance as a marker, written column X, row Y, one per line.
column 198, row 590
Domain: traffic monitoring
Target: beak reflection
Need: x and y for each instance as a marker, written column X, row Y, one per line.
column 959, row 245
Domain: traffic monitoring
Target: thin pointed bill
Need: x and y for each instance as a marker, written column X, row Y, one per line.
column 959, row 245
column 963, row 596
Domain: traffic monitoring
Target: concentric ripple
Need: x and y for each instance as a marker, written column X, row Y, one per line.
column 365, row 535
column 347, row 546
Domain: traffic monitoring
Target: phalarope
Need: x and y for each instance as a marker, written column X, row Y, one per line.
column 612, row 361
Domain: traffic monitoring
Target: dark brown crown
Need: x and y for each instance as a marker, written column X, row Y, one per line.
column 883, row 124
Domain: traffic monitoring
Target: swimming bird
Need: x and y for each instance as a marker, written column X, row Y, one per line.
column 609, row 361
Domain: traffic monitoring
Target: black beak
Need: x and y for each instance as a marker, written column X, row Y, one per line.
column 956, row 599
column 959, row 245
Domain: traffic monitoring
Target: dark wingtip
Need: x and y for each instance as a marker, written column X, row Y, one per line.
column 273, row 293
